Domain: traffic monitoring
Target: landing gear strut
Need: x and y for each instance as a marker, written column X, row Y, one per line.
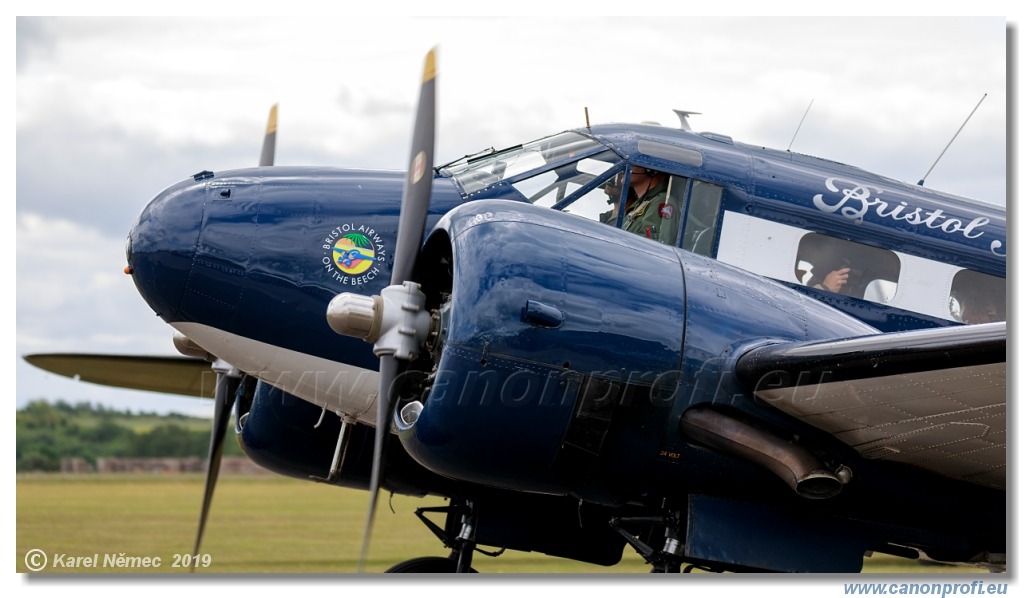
column 459, row 535
column 669, row 558
column 666, row 560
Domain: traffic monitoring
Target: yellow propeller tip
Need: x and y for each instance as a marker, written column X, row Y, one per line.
column 272, row 120
column 430, row 66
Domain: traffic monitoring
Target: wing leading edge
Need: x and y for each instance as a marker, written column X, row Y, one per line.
column 932, row 398
column 172, row 374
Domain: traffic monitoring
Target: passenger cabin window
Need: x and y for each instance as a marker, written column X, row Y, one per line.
column 847, row 268
column 976, row 298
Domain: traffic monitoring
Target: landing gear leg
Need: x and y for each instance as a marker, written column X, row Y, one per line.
column 458, row 535
column 465, row 542
column 669, row 558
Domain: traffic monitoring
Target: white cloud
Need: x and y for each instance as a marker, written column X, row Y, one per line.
column 73, row 293
column 109, row 111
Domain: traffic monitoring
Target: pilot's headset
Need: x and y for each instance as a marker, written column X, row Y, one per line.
column 650, row 172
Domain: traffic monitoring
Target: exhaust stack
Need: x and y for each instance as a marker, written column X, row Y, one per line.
column 804, row 472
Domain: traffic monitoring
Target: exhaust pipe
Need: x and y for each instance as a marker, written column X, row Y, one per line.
column 804, row 472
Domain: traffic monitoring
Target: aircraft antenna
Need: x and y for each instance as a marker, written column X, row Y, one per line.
column 921, row 182
column 800, row 125
column 684, row 124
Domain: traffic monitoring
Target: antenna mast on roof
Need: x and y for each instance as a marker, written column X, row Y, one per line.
column 921, row 182
column 800, row 125
column 683, row 123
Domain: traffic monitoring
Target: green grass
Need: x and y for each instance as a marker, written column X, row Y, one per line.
column 257, row 524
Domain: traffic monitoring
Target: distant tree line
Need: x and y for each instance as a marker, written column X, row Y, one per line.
column 49, row 432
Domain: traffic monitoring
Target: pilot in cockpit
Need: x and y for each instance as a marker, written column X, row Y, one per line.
column 613, row 189
column 648, row 213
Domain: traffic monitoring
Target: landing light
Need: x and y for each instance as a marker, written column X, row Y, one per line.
column 409, row 414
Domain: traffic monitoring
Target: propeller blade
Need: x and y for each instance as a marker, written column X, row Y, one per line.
column 411, row 221
column 270, row 140
column 419, row 179
column 227, row 385
column 385, row 405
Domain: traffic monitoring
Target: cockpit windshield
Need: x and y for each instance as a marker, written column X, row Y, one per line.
column 482, row 170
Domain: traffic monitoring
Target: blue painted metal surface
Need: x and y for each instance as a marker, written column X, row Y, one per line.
column 572, row 349
column 498, row 434
column 251, row 251
column 829, row 197
column 507, row 256
column 766, row 537
column 640, row 327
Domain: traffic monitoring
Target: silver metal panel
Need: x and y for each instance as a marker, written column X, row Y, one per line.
column 951, row 421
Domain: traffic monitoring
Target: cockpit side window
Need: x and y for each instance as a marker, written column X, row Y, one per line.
column 847, row 268
column 976, row 298
column 614, row 201
column 598, row 200
column 653, row 205
column 554, row 186
column 702, row 218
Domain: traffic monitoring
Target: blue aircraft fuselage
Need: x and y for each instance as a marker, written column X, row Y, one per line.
column 556, row 321
column 821, row 195
column 251, row 251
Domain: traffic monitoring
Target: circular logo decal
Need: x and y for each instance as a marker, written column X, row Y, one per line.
column 354, row 253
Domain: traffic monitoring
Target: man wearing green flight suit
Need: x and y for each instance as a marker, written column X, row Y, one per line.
column 650, row 215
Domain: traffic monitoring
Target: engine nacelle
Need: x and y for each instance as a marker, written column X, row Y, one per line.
column 567, row 348
column 281, row 433
column 292, row 437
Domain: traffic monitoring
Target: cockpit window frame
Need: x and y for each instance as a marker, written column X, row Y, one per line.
column 475, row 163
column 597, row 181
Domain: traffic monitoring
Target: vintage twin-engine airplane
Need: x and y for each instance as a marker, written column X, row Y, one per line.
column 725, row 356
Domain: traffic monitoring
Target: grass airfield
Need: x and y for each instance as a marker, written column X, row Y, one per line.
column 261, row 524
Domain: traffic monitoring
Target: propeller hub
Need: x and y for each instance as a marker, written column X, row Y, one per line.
column 351, row 314
column 396, row 321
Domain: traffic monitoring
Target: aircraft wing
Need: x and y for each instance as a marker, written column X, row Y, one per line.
column 932, row 398
column 171, row 374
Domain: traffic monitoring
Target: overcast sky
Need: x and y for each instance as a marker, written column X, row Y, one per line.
column 111, row 111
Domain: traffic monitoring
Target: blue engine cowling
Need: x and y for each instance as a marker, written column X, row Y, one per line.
column 569, row 350
column 292, row 437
